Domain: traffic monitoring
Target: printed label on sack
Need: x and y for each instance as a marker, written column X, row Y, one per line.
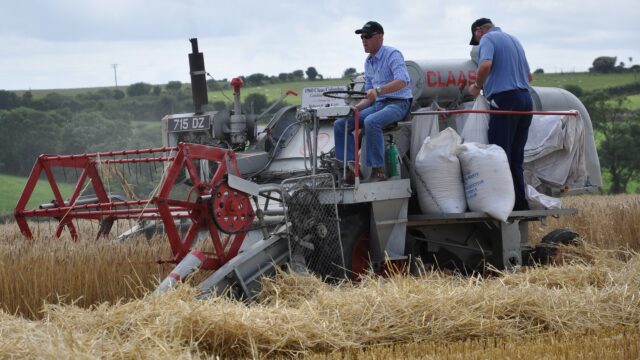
column 471, row 184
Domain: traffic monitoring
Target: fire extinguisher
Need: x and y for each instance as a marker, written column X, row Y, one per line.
column 392, row 159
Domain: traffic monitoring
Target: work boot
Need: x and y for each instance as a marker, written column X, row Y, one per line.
column 377, row 174
column 351, row 175
column 350, row 178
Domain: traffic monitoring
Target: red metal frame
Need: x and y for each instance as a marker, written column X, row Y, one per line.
column 233, row 206
column 499, row 112
column 356, row 136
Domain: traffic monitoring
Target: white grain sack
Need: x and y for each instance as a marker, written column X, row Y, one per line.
column 438, row 175
column 487, row 179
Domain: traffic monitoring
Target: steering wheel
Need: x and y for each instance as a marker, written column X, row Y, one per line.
column 345, row 94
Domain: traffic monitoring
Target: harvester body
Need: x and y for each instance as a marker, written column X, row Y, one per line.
column 273, row 195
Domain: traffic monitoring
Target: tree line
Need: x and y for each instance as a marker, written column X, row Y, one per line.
column 105, row 119
column 102, row 120
column 619, row 131
column 607, row 64
column 259, row 79
column 618, row 127
column 108, row 119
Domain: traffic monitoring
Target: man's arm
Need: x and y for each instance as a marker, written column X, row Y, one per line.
column 364, row 103
column 398, row 68
column 391, row 86
column 481, row 76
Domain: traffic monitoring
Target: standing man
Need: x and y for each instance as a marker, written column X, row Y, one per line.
column 388, row 100
column 504, row 75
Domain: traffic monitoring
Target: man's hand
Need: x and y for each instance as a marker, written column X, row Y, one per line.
column 474, row 90
column 481, row 76
column 372, row 95
column 363, row 104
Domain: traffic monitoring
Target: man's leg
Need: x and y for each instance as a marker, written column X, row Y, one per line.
column 338, row 133
column 389, row 113
column 501, row 131
column 510, row 133
column 517, row 161
column 517, row 152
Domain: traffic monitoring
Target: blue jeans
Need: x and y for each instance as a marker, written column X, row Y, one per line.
column 372, row 119
column 510, row 132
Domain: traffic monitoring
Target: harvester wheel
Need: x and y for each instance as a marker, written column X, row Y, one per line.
column 549, row 252
column 355, row 244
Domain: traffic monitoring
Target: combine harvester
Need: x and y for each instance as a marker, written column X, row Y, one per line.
column 277, row 198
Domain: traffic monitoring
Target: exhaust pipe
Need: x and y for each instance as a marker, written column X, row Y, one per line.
column 198, row 77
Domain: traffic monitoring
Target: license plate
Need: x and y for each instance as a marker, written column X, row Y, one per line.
column 189, row 123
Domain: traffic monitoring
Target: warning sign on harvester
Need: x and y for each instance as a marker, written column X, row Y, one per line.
column 312, row 97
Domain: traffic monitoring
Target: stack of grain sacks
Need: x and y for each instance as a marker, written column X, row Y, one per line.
column 451, row 176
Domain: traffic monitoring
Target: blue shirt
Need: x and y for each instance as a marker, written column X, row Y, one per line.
column 509, row 68
column 387, row 65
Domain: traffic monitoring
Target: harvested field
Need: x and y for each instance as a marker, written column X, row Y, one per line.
column 97, row 304
column 607, row 222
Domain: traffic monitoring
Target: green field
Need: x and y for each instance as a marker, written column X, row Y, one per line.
column 587, row 81
column 272, row 91
column 11, row 188
column 632, row 102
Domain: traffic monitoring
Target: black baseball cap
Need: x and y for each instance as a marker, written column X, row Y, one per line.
column 477, row 23
column 370, row 28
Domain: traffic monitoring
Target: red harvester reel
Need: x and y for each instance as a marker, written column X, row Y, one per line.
column 215, row 206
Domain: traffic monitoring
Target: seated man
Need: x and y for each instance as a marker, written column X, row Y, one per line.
column 388, row 100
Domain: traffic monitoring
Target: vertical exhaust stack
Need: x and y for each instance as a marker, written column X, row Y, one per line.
column 198, row 77
column 238, row 123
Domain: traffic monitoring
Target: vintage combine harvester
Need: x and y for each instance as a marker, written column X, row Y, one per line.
column 277, row 197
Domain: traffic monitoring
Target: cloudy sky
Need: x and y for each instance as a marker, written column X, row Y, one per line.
column 73, row 43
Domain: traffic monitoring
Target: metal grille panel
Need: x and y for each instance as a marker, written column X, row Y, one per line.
column 314, row 231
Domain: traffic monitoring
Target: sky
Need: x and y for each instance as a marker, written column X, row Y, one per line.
column 53, row 44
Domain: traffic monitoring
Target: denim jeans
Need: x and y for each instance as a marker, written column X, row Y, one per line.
column 511, row 132
column 372, row 119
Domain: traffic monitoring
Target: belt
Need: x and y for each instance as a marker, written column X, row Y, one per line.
column 390, row 99
column 507, row 92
